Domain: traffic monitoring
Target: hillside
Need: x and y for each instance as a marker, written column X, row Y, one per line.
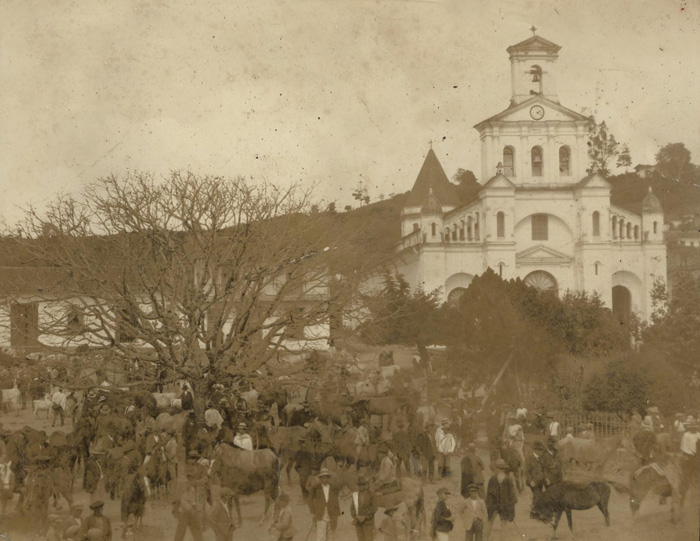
column 678, row 199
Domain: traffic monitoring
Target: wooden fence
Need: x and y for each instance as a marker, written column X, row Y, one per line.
column 604, row 424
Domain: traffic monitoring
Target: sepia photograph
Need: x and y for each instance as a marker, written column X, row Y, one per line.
column 329, row 270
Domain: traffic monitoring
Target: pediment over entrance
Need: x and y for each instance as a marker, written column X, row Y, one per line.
column 542, row 255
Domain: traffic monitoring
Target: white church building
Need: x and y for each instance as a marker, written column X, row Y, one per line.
column 539, row 216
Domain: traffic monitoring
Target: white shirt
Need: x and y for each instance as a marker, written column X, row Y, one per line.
column 554, row 428
column 327, row 491
column 244, row 441
column 59, row 399
column 356, row 501
column 689, row 442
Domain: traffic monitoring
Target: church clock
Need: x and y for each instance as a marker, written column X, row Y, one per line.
column 537, row 112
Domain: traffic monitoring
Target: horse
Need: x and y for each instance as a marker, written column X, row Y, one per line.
column 285, row 442
column 567, row 496
column 664, row 480
column 247, row 472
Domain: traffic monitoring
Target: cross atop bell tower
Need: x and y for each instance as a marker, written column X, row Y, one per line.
column 533, row 64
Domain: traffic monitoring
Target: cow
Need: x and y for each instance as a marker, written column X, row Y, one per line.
column 43, row 404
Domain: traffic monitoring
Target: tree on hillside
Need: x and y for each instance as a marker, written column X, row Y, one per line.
column 399, row 315
column 206, row 277
column 673, row 334
column 673, row 162
column 602, row 148
column 467, row 185
column 624, row 159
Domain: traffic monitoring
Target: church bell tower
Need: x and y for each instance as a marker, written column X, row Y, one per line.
column 533, row 73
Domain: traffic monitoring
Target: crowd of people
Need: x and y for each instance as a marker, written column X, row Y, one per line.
column 130, row 449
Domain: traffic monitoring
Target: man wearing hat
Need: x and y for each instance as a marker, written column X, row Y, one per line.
column 362, row 510
column 424, row 451
column 189, row 506
column 284, row 524
column 535, row 471
column 242, row 439
column 212, row 417
column 472, row 472
column 97, row 527
column 501, row 495
column 325, row 507
column 445, row 444
column 645, row 441
column 554, row 472
column 73, row 523
column 220, row 517
column 441, row 524
column 473, row 514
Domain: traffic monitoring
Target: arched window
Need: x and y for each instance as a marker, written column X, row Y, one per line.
column 454, row 232
column 597, row 267
column 542, row 281
column 537, row 162
column 447, row 234
column 636, row 232
column 461, row 232
column 509, row 162
column 470, row 230
column 500, row 225
column 655, row 227
column 416, row 227
column 536, row 73
column 596, row 224
column 433, row 231
column 454, row 296
column 564, row 159
column 500, row 269
column 614, row 227
column 621, row 234
column 629, row 230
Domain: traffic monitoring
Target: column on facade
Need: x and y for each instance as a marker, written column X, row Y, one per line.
column 553, row 165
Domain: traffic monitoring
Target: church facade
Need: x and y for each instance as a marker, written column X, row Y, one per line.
column 539, row 216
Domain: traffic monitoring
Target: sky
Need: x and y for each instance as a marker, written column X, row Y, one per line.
column 332, row 94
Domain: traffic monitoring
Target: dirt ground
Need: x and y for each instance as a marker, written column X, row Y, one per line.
column 653, row 524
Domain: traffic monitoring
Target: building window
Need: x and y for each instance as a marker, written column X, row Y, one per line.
column 126, row 326
column 432, row 229
column 476, row 230
column 295, row 329
column 622, row 229
column 614, row 227
column 596, row 224
column 629, row 230
column 454, row 232
column 540, row 227
column 537, row 162
column 564, row 159
column 24, row 324
column 655, row 227
column 597, row 266
column 500, row 269
column 75, row 320
column 461, row 232
column 470, row 228
column 509, row 162
column 447, row 234
column 416, row 227
column 500, row 225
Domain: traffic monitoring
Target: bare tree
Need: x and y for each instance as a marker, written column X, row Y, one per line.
column 206, row 277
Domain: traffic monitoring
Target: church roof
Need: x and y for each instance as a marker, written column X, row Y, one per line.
column 527, row 103
column 432, row 177
column 431, row 205
column 651, row 203
column 535, row 43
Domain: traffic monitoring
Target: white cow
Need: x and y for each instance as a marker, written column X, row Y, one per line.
column 10, row 398
column 42, row 404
